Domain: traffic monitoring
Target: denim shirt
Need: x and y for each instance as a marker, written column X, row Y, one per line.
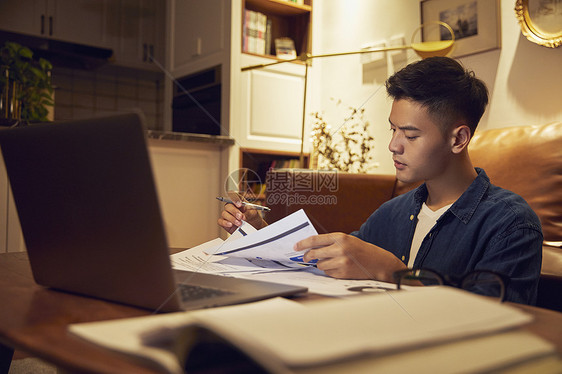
column 487, row 228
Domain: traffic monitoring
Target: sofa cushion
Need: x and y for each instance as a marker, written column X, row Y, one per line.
column 343, row 204
column 528, row 161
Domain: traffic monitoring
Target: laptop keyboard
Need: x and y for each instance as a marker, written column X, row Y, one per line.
column 191, row 292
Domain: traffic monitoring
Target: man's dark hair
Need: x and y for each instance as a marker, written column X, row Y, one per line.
column 444, row 87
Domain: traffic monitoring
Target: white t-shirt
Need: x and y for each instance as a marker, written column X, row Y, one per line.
column 426, row 220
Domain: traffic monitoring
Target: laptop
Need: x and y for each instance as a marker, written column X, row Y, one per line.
column 92, row 225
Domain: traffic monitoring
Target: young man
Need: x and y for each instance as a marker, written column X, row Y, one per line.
column 454, row 223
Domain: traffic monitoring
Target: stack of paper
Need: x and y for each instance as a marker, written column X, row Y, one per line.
column 268, row 255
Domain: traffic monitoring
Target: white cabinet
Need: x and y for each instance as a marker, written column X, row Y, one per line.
column 199, row 31
column 133, row 29
column 77, row 21
column 22, row 16
column 262, row 108
column 3, row 208
column 188, row 179
column 11, row 238
column 137, row 32
column 272, row 116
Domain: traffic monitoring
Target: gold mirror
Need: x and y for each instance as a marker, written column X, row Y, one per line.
column 541, row 21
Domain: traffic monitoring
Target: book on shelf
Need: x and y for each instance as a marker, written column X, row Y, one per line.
column 281, row 163
column 254, row 32
column 246, row 31
column 268, row 27
column 285, row 164
column 285, row 48
column 258, row 191
column 261, row 26
column 263, row 167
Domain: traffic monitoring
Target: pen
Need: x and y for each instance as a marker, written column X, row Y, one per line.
column 255, row 206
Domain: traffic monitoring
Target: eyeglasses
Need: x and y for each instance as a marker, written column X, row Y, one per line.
column 482, row 282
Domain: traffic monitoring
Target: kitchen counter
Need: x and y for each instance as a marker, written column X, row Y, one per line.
column 220, row 140
column 190, row 171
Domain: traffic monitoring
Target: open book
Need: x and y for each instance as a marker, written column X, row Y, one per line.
column 393, row 331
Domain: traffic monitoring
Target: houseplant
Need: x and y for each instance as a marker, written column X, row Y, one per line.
column 25, row 82
column 348, row 148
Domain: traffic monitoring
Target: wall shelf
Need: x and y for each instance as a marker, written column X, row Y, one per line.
column 287, row 20
column 260, row 161
column 280, row 7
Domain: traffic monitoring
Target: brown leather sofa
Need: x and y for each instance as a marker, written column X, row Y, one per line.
column 526, row 160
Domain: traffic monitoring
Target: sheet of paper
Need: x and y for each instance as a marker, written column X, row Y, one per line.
column 273, row 242
column 197, row 259
column 319, row 283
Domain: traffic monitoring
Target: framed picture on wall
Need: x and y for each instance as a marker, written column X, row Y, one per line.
column 476, row 24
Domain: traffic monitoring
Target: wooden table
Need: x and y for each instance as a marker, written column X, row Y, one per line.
column 34, row 319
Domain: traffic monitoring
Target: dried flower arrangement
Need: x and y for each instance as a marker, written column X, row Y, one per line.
column 348, row 148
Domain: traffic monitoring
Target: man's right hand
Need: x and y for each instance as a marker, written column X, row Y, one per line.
column 233, row 215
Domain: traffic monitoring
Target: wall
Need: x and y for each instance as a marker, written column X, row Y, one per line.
column 108, row 90
column 523, row 78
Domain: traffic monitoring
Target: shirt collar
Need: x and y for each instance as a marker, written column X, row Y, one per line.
column 466, row 205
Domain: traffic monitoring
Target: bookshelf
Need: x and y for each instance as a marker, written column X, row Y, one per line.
column 282, row 18
column 259, row 161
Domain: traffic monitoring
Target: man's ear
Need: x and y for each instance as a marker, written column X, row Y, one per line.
column 460, row 138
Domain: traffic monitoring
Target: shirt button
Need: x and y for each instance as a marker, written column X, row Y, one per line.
column 403, row 258
column 412, row 217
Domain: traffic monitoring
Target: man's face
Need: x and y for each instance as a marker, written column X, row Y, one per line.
column 419, row 148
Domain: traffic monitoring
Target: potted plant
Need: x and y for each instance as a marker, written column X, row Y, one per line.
column 25, row 82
